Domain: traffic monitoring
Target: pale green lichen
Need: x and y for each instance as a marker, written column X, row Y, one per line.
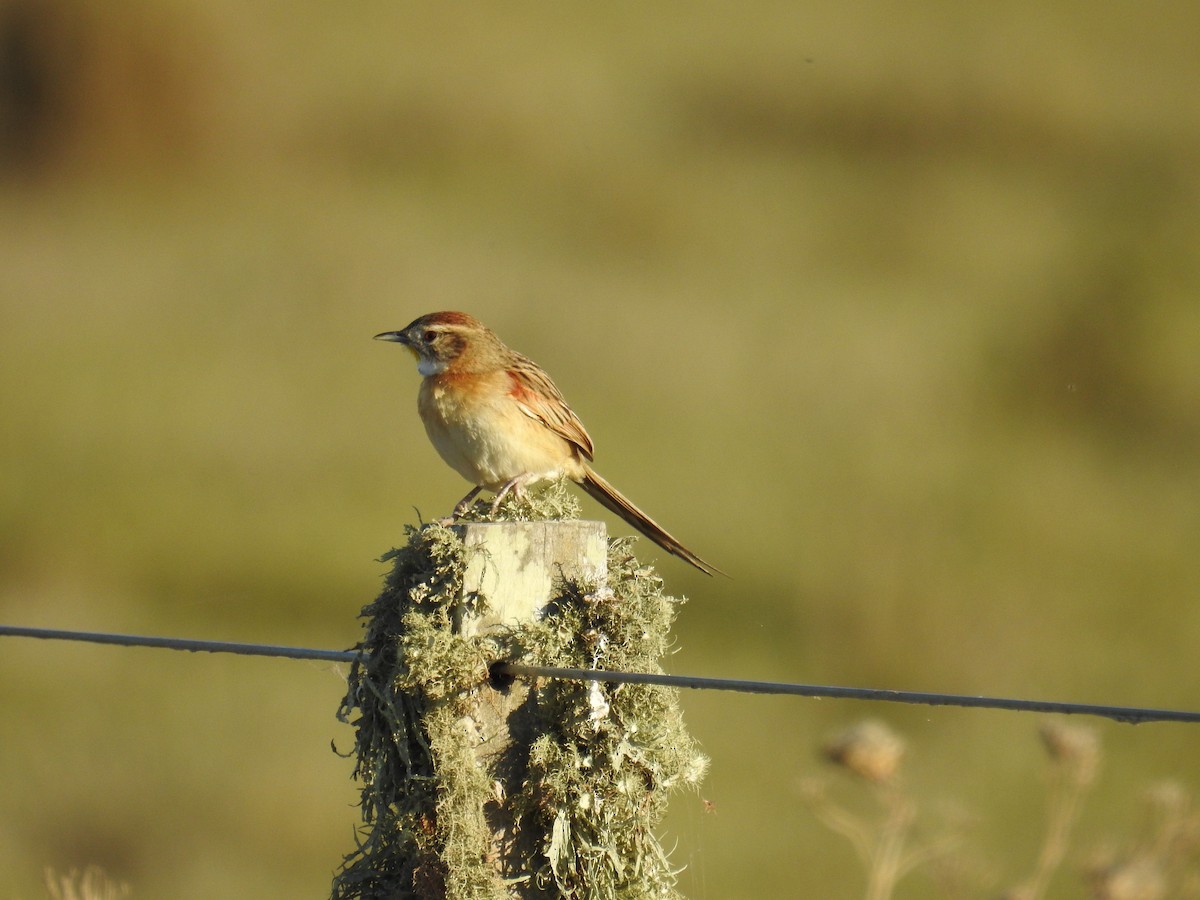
column 582, row 796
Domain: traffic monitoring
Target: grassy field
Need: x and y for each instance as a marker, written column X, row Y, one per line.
column 892, row 311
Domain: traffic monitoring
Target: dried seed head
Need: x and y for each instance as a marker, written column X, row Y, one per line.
column 1168, row 800
column 869, row 749
column 1140, row 878
column 1074, row 747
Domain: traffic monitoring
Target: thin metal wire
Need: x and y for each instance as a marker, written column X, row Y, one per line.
column 194, row 646
column 1129, row 714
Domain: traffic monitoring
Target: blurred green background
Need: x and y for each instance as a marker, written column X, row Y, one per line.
column 890, row 310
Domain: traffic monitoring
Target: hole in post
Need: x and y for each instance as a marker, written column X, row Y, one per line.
column 499, row 679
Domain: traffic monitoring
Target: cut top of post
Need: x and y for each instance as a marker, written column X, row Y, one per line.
column 515, row 565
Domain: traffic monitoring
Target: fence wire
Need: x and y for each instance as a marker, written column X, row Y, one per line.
column 1128, row 714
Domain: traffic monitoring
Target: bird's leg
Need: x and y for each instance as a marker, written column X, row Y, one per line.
column 464, row 504
column 515, row 486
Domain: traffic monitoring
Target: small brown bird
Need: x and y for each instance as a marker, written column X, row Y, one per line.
column 500, row 422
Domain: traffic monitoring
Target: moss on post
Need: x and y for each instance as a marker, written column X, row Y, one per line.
column 566, row 805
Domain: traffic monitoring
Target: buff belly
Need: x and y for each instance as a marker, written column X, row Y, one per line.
column 487, row 438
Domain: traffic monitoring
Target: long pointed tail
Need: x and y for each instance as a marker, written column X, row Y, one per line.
column 614, row 501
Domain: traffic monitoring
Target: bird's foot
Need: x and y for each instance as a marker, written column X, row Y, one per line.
column 462, row 506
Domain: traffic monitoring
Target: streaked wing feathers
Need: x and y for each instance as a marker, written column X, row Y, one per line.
column 539, row 399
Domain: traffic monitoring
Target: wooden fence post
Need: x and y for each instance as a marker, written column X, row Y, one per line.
column 519, row 567
column 477, row 791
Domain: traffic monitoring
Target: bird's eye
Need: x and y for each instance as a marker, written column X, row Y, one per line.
column 429, row 336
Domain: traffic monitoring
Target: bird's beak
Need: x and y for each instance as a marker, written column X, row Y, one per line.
column 397, row 337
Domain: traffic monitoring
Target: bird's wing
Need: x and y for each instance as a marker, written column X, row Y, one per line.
column 539, row 399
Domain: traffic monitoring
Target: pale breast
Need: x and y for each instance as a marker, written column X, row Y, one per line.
column 483, row 434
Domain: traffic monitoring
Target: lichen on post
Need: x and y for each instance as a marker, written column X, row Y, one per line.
column 549, row 789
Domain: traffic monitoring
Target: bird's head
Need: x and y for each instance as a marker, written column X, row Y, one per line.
column 439, row 339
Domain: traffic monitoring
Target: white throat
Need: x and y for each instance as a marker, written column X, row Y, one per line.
column 427, row 366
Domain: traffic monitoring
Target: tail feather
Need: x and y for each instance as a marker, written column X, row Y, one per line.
column 615, row 502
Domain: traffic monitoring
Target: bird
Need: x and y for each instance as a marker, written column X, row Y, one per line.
column 498, row 420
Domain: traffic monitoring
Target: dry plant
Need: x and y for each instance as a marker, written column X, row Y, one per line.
column 1161, row 861
column 90, row 884
column 1074, row 752
column 886, row 843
